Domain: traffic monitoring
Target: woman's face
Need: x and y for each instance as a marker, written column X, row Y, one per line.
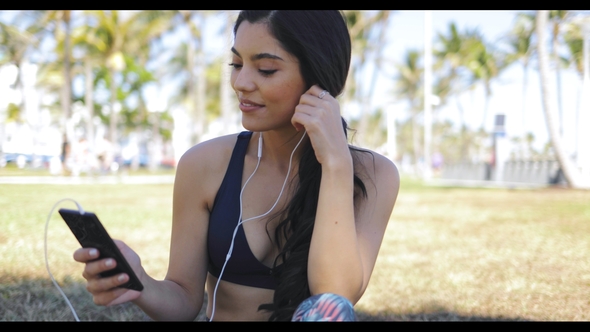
column 266, row 79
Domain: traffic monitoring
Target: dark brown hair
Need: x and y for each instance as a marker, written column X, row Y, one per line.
column 321, row 42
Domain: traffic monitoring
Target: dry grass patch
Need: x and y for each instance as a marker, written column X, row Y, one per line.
column 448, row 254
column 480, row 254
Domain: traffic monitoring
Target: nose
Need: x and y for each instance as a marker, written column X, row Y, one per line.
column 242, row 79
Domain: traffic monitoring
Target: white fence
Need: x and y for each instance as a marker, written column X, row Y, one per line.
column 520, row 171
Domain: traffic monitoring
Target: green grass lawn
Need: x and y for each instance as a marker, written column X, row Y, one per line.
column 138, row 214
column 448, row 254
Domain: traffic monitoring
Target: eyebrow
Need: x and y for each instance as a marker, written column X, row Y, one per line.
column 259, row 56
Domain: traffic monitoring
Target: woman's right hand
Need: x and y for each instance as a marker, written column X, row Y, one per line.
column 105, row 291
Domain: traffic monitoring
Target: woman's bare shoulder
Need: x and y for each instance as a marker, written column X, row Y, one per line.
column 209, row 154
column 376, row 167
column 201, row 169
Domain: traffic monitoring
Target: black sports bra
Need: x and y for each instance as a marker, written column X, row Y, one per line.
column 243, row 267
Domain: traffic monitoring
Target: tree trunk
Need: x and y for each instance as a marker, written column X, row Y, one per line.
column 89, row 101
column 224, row 87
column 367, row 102
column 190, row 86
column 416, row 141
column 524, row 94
column 486, row 104
column 201, row 91
column 555, row 56
column 113, row 116
column 19, row 85
column 67, row 87
column 571, row 173
column 197, row 85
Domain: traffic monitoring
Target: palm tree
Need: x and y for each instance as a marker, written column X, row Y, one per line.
column 65, row 17
column 54, row 19
column 485, row 64
column 410, row 86
column 15, row 42
column 575, row 41
column 92, row 57
column 196, row 83
column 365, row 41
column 148, row 28
column 380, row 22
column 110, row 33
column 224, row 86
column 571, row 173
column 557, row 18
column 451, row 55
column 454, row 52
column 17, row 39
column 465, row 59
column 115, row 41
column 520, row 42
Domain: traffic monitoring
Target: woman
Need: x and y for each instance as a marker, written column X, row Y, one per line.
column 303, row 212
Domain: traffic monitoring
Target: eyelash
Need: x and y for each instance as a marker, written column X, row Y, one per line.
column 262, row 72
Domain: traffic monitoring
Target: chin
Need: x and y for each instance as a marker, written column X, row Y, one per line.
column 251, row 127
column 260, row 125
column 257, row 125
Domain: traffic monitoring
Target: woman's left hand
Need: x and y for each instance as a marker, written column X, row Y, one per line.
column 320, row 117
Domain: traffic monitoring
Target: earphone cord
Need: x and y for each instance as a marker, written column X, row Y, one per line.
column 240, row 221
column 47, row 260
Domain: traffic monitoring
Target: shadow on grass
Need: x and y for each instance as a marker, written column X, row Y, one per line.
column 39, row 300
column 432, row 312
column 441, row 315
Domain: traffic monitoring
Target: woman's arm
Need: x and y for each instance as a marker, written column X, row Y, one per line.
column 345, row 241
column 180, row 295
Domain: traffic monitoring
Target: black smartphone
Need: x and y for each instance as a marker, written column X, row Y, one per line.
column 91, row 234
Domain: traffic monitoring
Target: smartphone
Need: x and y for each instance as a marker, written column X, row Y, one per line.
column 91, row 234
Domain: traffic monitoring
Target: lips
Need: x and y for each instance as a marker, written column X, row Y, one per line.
column 247, row 102
column 248, row 105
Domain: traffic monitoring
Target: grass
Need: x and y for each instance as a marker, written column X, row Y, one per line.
column 484, row 254
column 448, row 254
column 12, row 170
column 139, row 214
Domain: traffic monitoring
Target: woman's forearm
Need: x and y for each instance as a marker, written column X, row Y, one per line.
column 167, row 300
column 334, row 263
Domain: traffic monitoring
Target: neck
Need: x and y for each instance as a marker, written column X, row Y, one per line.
column 277, row 147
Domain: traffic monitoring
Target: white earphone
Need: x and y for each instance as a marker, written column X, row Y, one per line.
column 240, row 221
